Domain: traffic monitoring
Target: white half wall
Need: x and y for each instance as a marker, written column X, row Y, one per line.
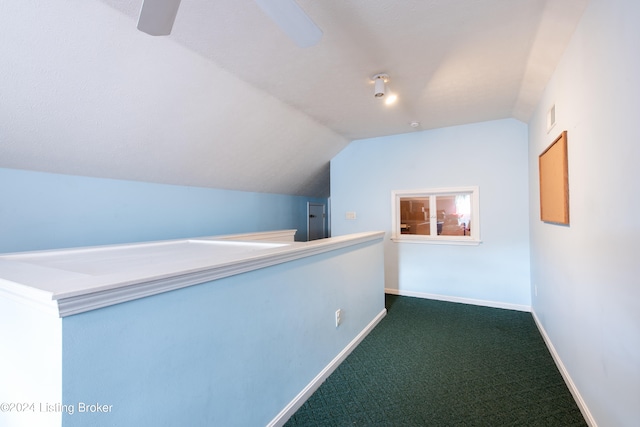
column 30, row 366
column 241, row 350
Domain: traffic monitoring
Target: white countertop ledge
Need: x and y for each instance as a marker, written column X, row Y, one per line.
column 70, row 281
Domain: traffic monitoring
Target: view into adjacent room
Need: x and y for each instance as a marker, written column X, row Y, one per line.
column 452, row 215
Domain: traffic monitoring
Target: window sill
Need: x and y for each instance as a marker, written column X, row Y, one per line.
column 437, row 241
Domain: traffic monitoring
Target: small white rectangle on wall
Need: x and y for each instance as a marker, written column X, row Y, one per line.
column 350, row 215
column 551, row 117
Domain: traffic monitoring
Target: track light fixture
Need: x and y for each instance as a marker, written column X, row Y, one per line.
column 379, row 81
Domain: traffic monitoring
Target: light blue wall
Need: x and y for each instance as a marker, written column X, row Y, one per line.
column 587, row 275
column 490, row 155
column 232, row 352
column 48, row 211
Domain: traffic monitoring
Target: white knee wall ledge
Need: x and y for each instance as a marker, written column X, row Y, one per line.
column 70, row 281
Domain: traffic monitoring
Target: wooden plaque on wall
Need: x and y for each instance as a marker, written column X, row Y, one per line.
column 554, row 182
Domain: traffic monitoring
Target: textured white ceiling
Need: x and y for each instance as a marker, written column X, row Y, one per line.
column 228, row 101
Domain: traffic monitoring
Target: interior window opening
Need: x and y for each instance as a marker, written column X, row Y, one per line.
column 436, row 215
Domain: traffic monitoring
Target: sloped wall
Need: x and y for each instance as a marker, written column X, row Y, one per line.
column 85, row 93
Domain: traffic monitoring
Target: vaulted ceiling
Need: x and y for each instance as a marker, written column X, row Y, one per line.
column 229, row 101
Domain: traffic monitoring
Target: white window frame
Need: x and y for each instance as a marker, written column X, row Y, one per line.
column 432, row 193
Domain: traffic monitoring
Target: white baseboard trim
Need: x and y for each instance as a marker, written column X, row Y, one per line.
column 306, row 393
column 565, row 374
column 484, row 303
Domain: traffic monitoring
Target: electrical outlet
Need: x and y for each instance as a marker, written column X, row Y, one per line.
column 338, row 317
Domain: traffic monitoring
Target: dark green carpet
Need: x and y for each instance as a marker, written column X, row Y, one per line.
column 433, row 363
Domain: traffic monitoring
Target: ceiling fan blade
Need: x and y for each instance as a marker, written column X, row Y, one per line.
column 157, row 16
column 292, row 20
